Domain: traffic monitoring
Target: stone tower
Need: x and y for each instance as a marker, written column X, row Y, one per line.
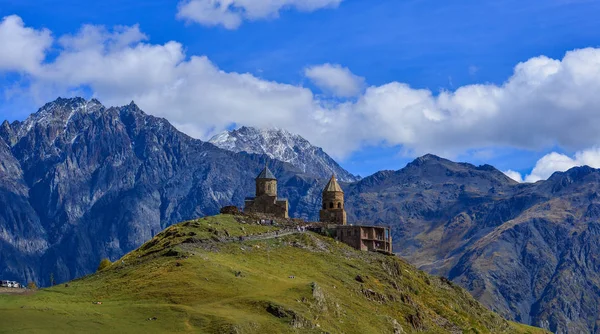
column 266, row 201
column 332, row 210
column 266, row 183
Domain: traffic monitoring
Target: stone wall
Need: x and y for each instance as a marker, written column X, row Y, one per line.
column 268, row 205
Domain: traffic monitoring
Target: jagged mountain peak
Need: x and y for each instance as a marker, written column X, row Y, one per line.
column 6, row 131
column 132, row 106
column 571, row 181
column 230, row 139
column 62, row 105
column 285, row 146
column 428, row 159
column 575, row 173
column 431, row 162
column 432, row 159
column 58, row 112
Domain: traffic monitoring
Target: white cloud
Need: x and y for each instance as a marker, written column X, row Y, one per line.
column 23, row 49
column 545, row 103
column 98, row 37
column 556, row 162
column 193, row 93
column 335, row 79
column 231, row 13
column 514, row 175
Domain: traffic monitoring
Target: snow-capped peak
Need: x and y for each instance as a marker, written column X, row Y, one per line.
column 282, row 145
column 58, row 112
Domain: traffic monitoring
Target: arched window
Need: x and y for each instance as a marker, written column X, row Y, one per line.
column 324, row 206
column 269, row 187
column 339, row 205
column 331, row 205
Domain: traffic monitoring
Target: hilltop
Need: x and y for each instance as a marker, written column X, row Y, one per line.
column 199, row 276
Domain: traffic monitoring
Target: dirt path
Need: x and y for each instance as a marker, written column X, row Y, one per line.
column 257, row 237
column 14, row 291
column 268, row 235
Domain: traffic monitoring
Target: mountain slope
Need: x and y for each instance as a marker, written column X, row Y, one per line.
column 281, row 145
column 527, row 251
column 195, row 277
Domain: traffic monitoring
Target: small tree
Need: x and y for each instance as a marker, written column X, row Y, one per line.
column 105, row 263
column 31, row 286
column 52, row 279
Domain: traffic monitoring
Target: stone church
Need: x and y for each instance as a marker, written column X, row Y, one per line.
column 332, row 216
column 266, row 201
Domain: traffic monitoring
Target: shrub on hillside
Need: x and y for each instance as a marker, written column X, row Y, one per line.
column 230, row 210
column 105, row 263
column 31, row 286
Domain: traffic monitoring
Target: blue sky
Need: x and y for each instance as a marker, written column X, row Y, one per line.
column 427, row 44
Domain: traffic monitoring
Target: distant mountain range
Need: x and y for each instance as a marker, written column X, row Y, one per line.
column 281, row 145
column 79, row 182
column 527, row 251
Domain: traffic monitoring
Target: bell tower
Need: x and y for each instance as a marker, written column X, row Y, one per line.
column 332, row 210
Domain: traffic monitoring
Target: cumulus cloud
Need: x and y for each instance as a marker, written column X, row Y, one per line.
column 193, row 93
column 514, row 175
column 23, row 49
column 335, row 79
column 545, row 103
column 98, row 37
column 231, row 13
column 556, row 162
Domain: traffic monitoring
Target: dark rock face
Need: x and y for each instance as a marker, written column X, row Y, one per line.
column 80, row 182
column 284, row 146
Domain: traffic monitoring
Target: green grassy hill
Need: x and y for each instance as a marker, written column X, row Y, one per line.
column 198, row 277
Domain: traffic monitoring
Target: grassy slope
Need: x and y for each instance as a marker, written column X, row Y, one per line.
column 232, row 287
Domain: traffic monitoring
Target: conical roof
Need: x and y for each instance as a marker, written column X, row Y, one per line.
column 266, row 174
column 333, row 186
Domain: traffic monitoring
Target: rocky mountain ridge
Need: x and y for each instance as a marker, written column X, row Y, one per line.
column 284, row 146
column 79, row 181
column 527, row 251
